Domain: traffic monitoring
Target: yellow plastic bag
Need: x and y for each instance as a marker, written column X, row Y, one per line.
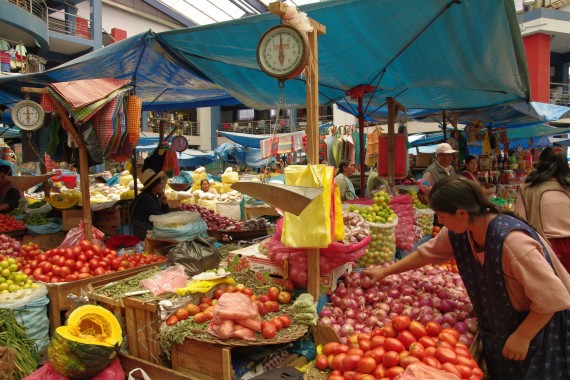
column 337, row 211
column 312, row 228
column 229, row 178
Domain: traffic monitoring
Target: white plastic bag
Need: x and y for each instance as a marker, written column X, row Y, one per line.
column 176, row 217
column 22, row 297
column 141, row 373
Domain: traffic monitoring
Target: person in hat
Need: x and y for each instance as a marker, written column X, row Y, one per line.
column 441, row 167
column 151, row 201
column 9, row 195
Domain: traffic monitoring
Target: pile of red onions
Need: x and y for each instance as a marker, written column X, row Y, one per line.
column 426, row 294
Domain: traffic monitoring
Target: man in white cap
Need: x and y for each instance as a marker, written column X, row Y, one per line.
column 442, row 166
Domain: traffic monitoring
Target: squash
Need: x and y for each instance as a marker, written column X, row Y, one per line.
column 87, row 344
column 63, row 201
column 127, row 194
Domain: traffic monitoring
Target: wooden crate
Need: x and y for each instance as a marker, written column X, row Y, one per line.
column 58, row 292
column 107, row 220
column 143, row 322
column 158, row 246
column 125, row 208
column 153, row 370
column 46, row 242
column 202, row 360
column 71, row 217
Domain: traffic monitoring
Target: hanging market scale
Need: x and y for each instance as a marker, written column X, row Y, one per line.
column 282, row 52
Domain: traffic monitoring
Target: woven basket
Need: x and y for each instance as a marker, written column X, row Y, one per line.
column 286, row 335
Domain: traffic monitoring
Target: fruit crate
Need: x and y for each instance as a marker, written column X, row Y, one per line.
column 58, row 292
column 153, row 370
column 15, row 234
column 107, row 220
column 203, row 360
column 71, row 218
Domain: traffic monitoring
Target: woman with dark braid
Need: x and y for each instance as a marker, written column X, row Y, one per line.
column 519, row 289
column 544, row 200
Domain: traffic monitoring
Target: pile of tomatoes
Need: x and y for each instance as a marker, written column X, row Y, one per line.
column 83, row 261
column 9, row 223
column 387, row 352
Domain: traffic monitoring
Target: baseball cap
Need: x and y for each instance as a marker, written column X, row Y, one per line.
column 444, row 148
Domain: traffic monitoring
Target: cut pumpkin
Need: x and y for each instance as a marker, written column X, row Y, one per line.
column 63, row 201
column 87, row 344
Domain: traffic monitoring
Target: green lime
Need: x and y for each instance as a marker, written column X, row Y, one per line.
column 4, row 264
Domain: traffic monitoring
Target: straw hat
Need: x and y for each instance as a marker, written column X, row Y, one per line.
column 149, row 177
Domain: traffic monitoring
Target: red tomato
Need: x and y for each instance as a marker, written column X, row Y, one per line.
column 64, row 272
column 272, row 306
column 355, row 351
column 389, row 331
column 93, row 264
column 335, row 377
column 393, row 344
column 247, row 291
column 417, row 329
column 45, row 266
column 82, row 276
column 350, row 361
column 448, row 337
column 85, row 245
column 394, row 372
column 285, row 320
column 464, row 370
column 70, row 277
column 340, row 349
column 98, row 271
column 377, row 341
column 401, row 322
column 407, row 338
column 85, row 269
column 433, row 328
column 277, row 323
column 69, row 254
column 391, row 359
column 451, row 368
column 380, row 371
column 336, row 362
column 366, row 364
column 273, row 293
column 451, row 331
column 76, row 251
column 431, row 361
column 445, row 355
column 377, row 354
column 417, row 349
column 427, row 341
column 321, row 362
column 405, row 362
column 329, row 348
column 70, row 263
column 365, row 345
column 89, row 254
column 284, row 297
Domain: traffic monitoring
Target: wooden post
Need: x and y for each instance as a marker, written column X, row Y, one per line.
column 361, row 147
column 312, row 88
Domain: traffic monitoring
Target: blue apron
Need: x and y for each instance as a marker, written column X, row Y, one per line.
column 548, row 356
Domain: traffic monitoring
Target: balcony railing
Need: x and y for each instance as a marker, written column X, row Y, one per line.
column 37, row 8
column 70, row 24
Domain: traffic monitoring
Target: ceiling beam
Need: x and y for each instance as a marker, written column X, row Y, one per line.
column 255, row 4
column 170, row 12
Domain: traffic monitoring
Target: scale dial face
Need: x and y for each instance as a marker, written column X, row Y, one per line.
column 179, row 143
column 282, row 52
column 28, row 115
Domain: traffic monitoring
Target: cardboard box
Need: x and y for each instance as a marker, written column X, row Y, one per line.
column 329, row 280
column 423, row 160
column 258, row 262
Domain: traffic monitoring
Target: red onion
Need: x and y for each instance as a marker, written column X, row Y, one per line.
column 415, row 312
column 380, row 313
column 343, row 340
column 426, row 310
column 384, row 306
column 362, row 316
column 337, row 312
column 341, row 290
column 447, row 305
column 396, row 307
column 344, row 303
column 407, row 300
column 471, row 324
column 358, row 327
column 450, row 318
column 424, row 319
column 372, row 321
column 350, row 313
column 370, row 298
column 365, row 281
column 465, row 339
column 427, row 302
column 352, row 304
column 326, row 321
column 335, row 300
column 446, row 325
column 358, row 292
column 394, row 293
column 325, row 312
column 459, row 326
column 408, row 290
column 367, row 330
column 438, row 318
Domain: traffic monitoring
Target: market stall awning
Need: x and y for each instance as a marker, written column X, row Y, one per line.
column 450, row 55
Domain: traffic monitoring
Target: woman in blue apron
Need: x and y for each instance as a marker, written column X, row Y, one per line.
column 519, row 289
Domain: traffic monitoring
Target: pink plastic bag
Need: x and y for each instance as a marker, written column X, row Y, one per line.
column 420, row 371
column 112, row 372
column 77, row 234
column 166, row 281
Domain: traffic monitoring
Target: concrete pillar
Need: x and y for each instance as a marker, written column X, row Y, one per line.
column 537, row 48
column 144, row 121
column 209, row 120
column 70, row 13
column 96, row 28
column 343, row 118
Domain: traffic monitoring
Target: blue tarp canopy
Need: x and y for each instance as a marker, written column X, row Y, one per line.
column 448, row 56
column 241, row 155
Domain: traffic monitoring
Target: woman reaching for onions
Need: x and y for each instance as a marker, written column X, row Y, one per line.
column 519, row 289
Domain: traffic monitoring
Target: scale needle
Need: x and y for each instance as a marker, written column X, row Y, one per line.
column 281, row 54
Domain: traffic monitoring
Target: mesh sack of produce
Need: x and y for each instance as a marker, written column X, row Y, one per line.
column 33, row 316
column 424, row 217
column 405, row 235
column 41, row 207
column 382, row 247
column 181, row 232
column 134, row 109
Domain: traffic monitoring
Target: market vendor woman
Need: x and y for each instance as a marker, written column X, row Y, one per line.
column 9, row 195
column 151, row 201
column 517, row 285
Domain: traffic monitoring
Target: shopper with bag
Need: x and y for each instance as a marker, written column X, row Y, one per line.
column 9, row 195
column 519, row 289
column 151, row 201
